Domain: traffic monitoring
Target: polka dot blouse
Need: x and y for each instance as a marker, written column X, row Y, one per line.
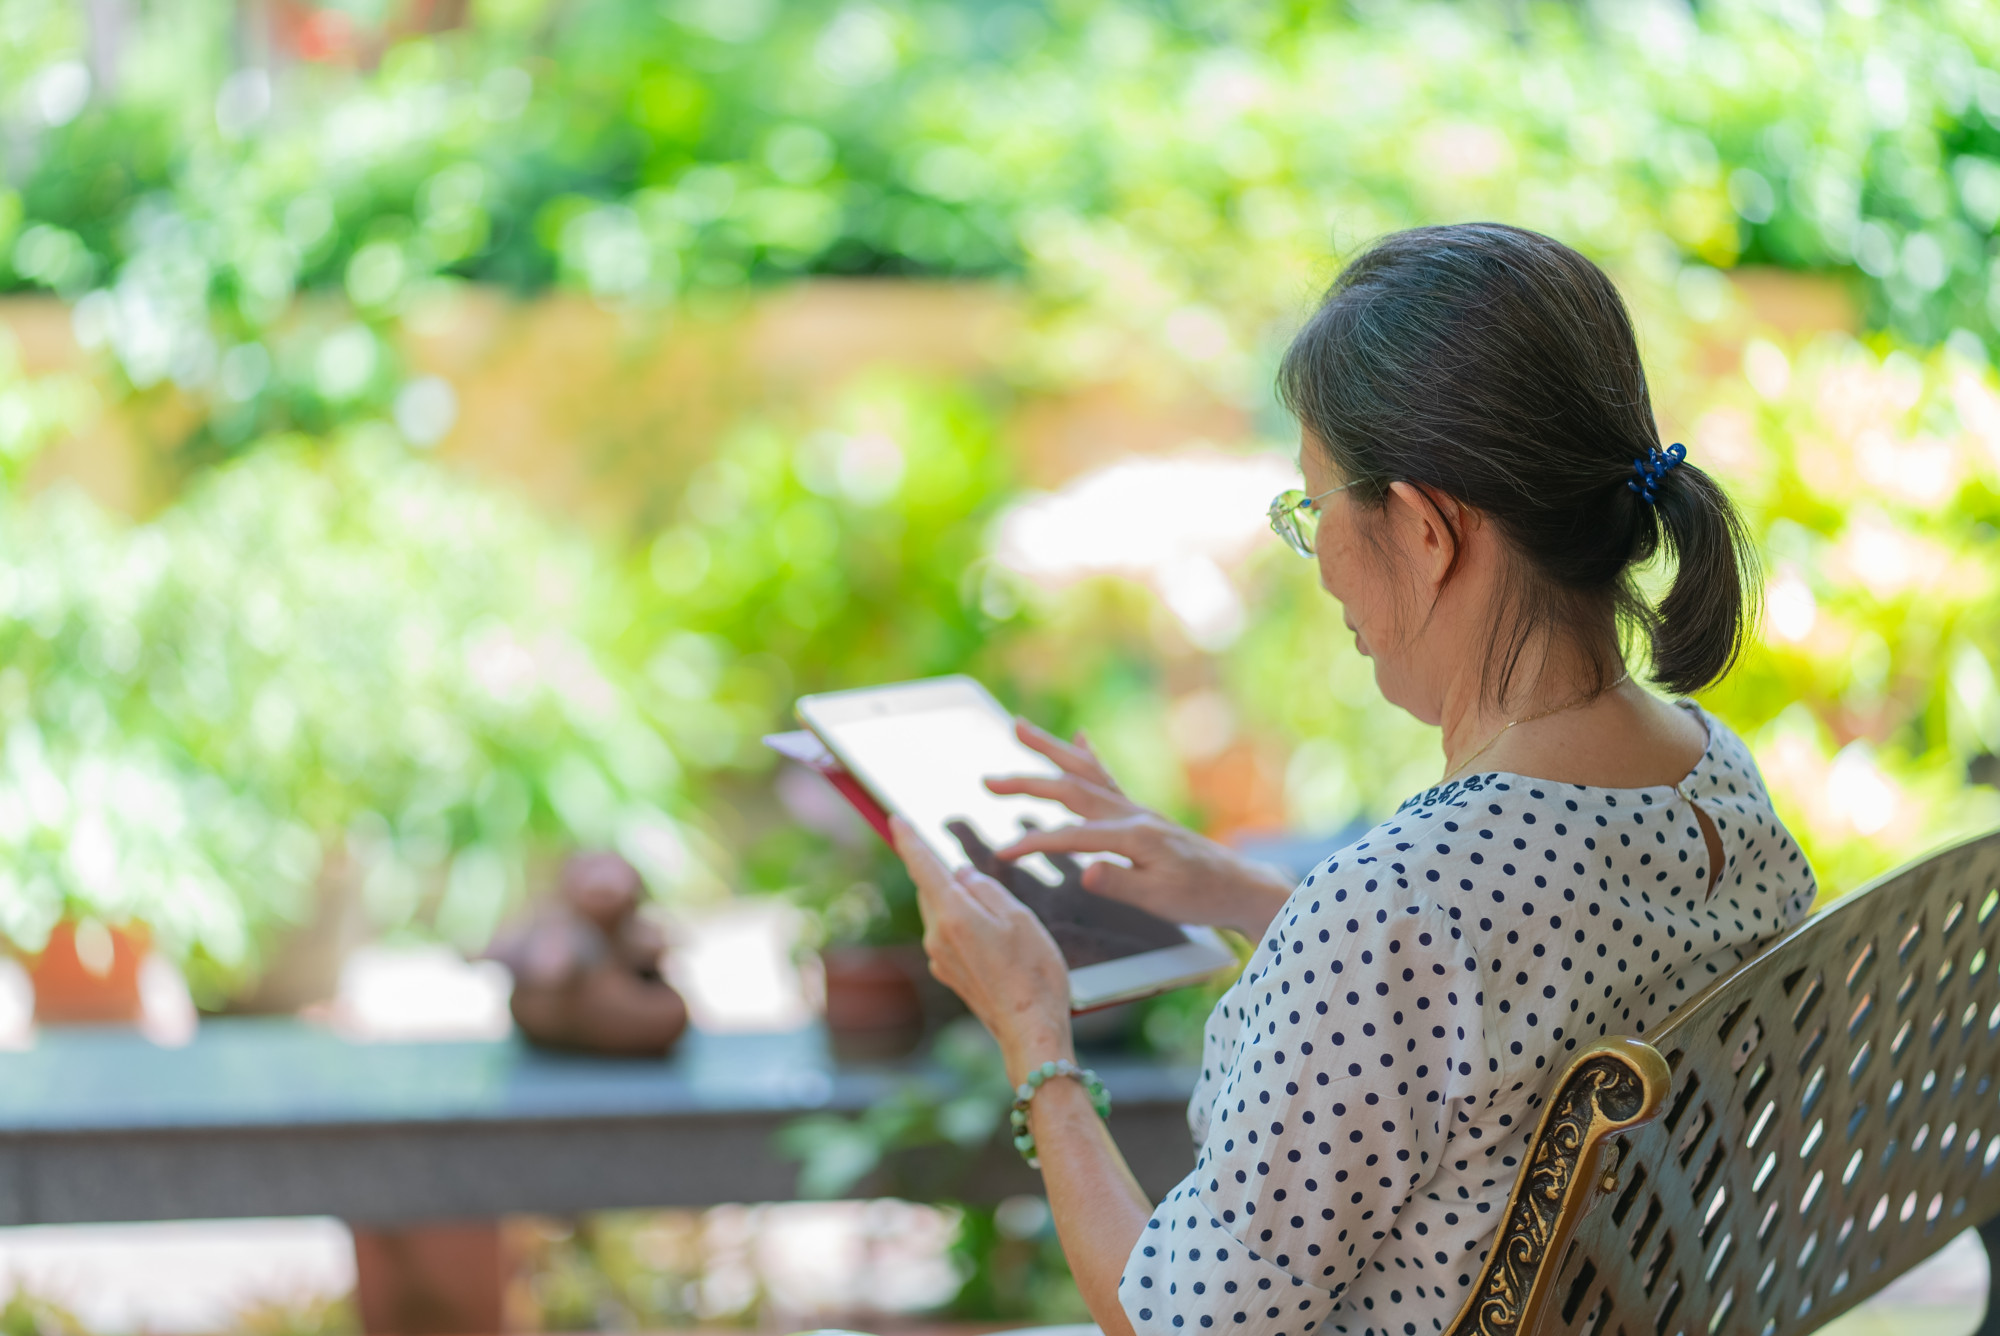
column 1369, row 1084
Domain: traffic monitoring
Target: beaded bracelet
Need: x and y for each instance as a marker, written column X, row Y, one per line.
column 1024, row 1140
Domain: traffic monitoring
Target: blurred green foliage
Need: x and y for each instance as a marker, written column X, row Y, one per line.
column 951, row 1110
column 1014, row 1266
column 309, row 1317
column 26, row 1314
column 1121, row 156
column 340, row 653
column 1875, row 483
column 809, row 560
column 616, row 1271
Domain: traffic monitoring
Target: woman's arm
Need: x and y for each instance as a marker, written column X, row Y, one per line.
column 989, row 949
column 1099, row 1209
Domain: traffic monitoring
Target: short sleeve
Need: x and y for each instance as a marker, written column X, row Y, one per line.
column 1360, row 1016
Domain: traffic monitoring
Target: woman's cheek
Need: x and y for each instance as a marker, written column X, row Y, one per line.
column 1328, row 578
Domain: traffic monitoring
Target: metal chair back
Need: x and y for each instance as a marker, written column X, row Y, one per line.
column 1806, row 1130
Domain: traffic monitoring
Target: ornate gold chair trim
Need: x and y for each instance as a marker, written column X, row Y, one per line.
column 1611, row 1086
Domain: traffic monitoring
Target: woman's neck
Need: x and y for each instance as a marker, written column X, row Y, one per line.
column 1473, row 722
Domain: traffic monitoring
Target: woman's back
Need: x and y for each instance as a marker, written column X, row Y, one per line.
column 1369, row 1084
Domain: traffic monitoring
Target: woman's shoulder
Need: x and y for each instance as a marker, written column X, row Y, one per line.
column 1413, row 863
column 1726, row 770
column 1484, row 801
column 1378, row 909
column 1762, row 853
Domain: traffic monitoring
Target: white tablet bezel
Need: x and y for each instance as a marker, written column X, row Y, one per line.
column 1090, row 986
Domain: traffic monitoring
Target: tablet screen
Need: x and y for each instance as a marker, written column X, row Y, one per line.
column 923, row 749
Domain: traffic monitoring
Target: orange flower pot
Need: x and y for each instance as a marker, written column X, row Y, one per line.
column 873, row 1006
column 96, row 985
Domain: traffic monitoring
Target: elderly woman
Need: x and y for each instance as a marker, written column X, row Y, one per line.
column 1483, row 480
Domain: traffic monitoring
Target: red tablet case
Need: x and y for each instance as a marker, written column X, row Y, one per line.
column 810, row 752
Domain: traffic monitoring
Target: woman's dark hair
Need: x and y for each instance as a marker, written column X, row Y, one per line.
column 1498, row 367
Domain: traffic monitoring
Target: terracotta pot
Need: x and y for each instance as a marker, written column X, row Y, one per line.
column 97, row 986
column 434, row 1279
column 874, row 1006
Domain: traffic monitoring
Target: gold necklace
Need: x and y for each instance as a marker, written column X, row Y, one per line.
column 1571, row 705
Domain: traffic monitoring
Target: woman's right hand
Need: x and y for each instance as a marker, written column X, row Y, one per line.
column 1174, row 873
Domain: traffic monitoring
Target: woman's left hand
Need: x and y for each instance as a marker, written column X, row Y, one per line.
column 988, row 948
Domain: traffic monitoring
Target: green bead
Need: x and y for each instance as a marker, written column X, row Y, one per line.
column 1048, row 1069
column 1024, row 1144
column 1025, row 1091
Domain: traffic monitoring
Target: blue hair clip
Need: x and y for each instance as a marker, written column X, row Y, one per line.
column 1656, row 465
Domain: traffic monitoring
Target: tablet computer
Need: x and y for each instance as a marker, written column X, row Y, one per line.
column 923, row 749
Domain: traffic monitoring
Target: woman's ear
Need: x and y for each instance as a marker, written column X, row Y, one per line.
column 1429, row 526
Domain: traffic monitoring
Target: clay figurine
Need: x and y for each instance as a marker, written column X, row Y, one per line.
column 586, row 966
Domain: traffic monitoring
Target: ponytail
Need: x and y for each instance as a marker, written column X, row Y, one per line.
column 1698, row 630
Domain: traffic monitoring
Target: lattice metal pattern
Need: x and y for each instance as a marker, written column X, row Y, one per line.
column 1834, row 1118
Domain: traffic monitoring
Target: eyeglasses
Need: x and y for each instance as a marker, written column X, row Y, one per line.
column 1295, row 517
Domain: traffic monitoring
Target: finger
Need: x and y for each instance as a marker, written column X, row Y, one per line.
column 1071, row 760
column 1089, row 837
column 1085, row 799
column 975, row 848
column 986, row 894
column 1118, row 883
column 1064, row 865
column 1090, row 765
column 916, row 855
column 926, row 870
